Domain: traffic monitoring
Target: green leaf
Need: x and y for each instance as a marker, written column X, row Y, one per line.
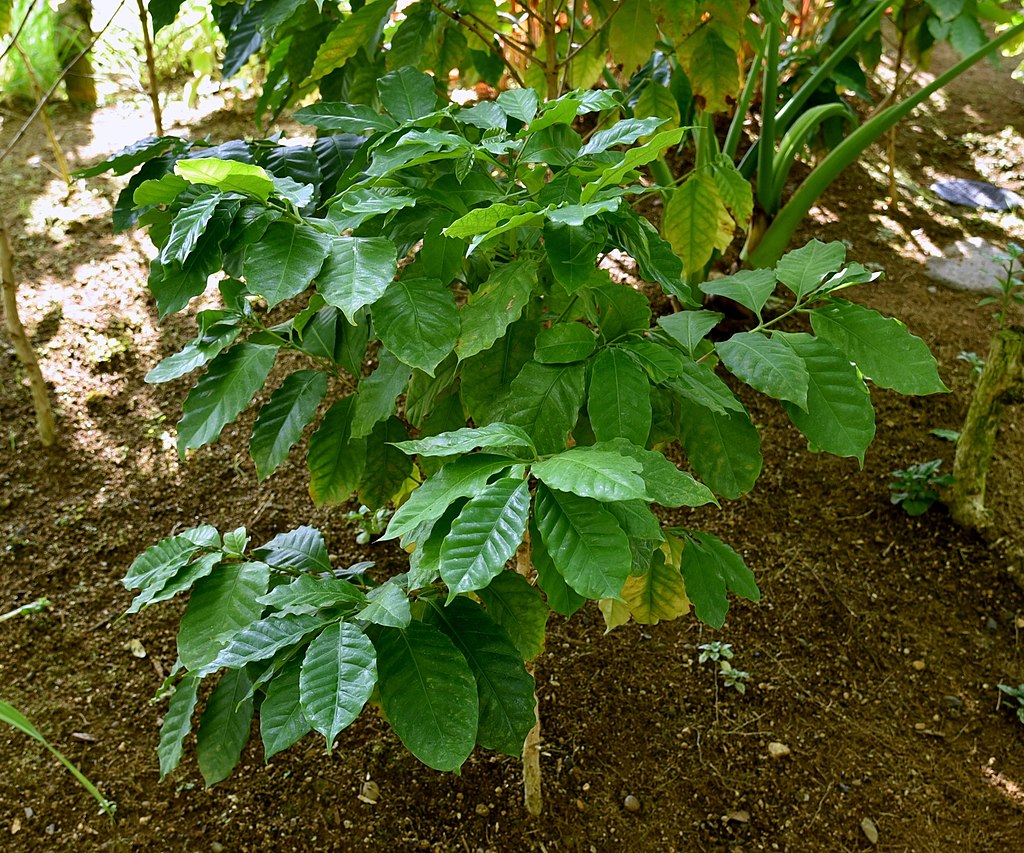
column 693, row 220
column 584, row 541
column 483, row 220
column 357, row 272
column 700, row 384
column 655, row 259
column 642, row 529
column 766, row 365
column 418, row 321
column 159, row 563
column 619, row 310
column 663, row 482
column 228, row 386
column 285, row 260
column 750, row 288
column 657, row 100
column 711, row 569
column 498, row 303
column 572, row 252
column 519, row 103
column 659, row 594
column 344, row 118
column 496, row 436
column 624, row 132
column 335, row 460
column 619, row 402
column 722, row 447
column 593, row 472
column 187, row 227
column 264, row 638
column 377, row 394
column 159, row 191
column 712, row 66
column 545, row 400
column 283, row 418
column 388, row 473
column 130, row 157
column 734, row 190
column 487, row 377
column 358, row 30
column 428, row 694
column 515, row 604
column 505, row 690
column 177, row 724
column 226, row 175
column 310, row 593
column 220, row 606
column 635, row 157
column 183, row 580
column 338, row 675
column 564, row 343
column 689, row 328
column 803, row 269
column 388, row 605
column 839, row 418
column 407, row 94
column 193, row 355
column 562, row 598
column 459, row 479
column 881, row 347
column 224, row 726
column 282, row 722
column 485, row 535
column 302, row 549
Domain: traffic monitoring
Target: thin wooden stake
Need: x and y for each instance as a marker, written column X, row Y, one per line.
column 22, row 346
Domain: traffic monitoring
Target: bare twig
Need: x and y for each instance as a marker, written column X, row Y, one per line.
column 58, row 152
column 21, row 26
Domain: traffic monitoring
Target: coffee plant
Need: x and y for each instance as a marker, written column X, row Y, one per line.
column 444, row 272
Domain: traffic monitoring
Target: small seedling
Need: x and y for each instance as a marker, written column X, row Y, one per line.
column 716, row 651
column 37, row 606
column 369, row 523
column 1010, row 285
column 1016, row 694
column 915, row 488
column 976, row 362
column 950, row 435
column 734, row 678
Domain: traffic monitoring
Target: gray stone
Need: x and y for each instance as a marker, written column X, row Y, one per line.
column 970, row 265
column 976, row 194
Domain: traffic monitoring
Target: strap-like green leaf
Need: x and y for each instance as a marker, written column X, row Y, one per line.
column 224, row 726
column 711, row 569
column 338, row 676
column 584, row 541
column 515, row 604
column 767, row 365
column 335, row 460
column 282, row 722
column 619, row 399
column 285, row 260
column 724, row 448
column 357, row 272
column 428, row 694
column 593, row 472
column 418, row 321
column 485, row 535
column 302, row 549
column 283, row 418
column 177, row 724
column 504, row 688
column 227, row 387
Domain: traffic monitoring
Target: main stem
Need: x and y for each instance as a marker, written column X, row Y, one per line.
column 22, row 346
column 550, row 50
column 154, row 91
column 532, row 796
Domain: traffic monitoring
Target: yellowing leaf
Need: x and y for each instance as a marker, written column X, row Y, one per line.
column 695, row 221
column 614, row 612
column 658, row 594
column 711, row 60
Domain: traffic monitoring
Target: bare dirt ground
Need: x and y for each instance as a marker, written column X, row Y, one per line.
column 874, row 654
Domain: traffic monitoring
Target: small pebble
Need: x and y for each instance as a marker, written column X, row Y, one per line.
column 870, row 830
column 778, row 750
column 216, row 847
column 370, row 792
column 632, row 804
column 581, row 806
column 919, row 665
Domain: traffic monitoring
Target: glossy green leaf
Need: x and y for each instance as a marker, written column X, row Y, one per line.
column 711, row 569
column 482, row 220
column 515, row 604
column 345, row 118
column 485, row 379
column 593, row 472
column 388, row 472
column 282, row 722
column 750, row 288
column 220, row 606
column 585, row 543
column 188, row 226
column 264, row 638
column 839, row 418
column 224, row 726
column 564, row 343
column 884, row 350
column 619, row 401
column 335, row 460
column 642, row 529
column 159, row 563
column 407, row 94
column 358, row 30
column 377, row 395
column 496, row 436
column 388, row 605
column 639, row 155
column 283, row 418
column 357, row 272
column 418, row 321
column 485, row 535
column 177, row 724
column 545, row 400
column 227, row 176
column 498, row 303
column 699, row 383
column 130, row 157
column 428, row 693
column 561, row 597
column 193, row 355
column 767, row 365
column 183, row 580
column 285, row 261
column 302, row 549
column 663, row 482
column 572, row 251
column 338, row 675
column 803, row 269
column 505, row 689
column 724, row 448
column 309, row 593
column 519, row 103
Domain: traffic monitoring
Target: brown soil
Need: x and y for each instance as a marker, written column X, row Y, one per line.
column 874, row 654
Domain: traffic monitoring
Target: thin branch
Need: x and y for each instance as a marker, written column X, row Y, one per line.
column 37, row 90
column 21, row 26
column 60, row 78
column 459, row 19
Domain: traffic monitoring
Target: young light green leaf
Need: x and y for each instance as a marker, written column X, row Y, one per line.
column 619, row 399
column 635, row 157
column 803, row 269
column 884, row 350
column 336, row 461
column 428, row 694
column 689, row 328
column 177, row 724
column 418, row 321
column 357, row 272
column 224, row 726
column 282, row 722
column 378, row 393
column 498, row 303
column 482, row 220
column 283, row 418
column 285, row 260
column 496, row 436
column 767, row 365
column 663, row 482
column 338, row 675
column 839, row 418
column 711, row 569
column 564, row 343
column 515, row 604
column 226, row 175
column 750, row 288
column 593, row 472
column 724, row 448
column 485, row 535
column 302, row 549
column 227, row 387
column 544, row 400
column 505, row 689
column 584, row 541
column 388, row 605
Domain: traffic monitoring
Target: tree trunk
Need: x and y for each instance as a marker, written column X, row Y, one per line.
column 1001, row 382
column 22, row 346
column 74, row 31
column 532, row 796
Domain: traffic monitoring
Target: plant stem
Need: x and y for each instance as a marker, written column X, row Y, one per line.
column 732, row 138
column 532, row 795
column 58, row 153
column 551, row 75
column 769, row 96
column 22, row 346
column 154, row 90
